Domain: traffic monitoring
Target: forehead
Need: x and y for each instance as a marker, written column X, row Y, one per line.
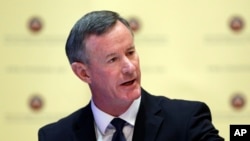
column 116, row 37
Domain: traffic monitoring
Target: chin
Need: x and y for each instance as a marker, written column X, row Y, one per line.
column 135, row 94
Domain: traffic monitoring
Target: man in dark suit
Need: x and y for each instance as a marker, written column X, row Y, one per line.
column 102, row 53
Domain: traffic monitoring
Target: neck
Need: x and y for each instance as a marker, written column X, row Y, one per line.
column 112, row 108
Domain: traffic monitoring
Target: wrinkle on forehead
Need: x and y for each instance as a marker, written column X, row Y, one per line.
column 119, row 34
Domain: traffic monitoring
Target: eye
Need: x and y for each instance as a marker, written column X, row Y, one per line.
column 131, row 52
column 112, row 60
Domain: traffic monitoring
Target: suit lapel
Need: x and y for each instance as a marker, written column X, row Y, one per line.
column 147, row 122
column 146, row 128
column 84, row 127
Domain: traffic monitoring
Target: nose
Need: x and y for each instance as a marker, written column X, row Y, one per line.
column 128, row 67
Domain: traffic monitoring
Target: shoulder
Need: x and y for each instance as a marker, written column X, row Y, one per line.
column 163, row 100
column 181, row 104
column 189, row 118
column 63, row 121
column 176, row 106
column 64, row 127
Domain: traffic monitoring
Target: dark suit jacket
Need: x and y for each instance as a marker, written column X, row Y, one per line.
column 158, row 119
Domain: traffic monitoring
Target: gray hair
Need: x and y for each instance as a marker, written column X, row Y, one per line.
column 93, row 23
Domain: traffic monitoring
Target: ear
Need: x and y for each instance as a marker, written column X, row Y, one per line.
column 81, row 71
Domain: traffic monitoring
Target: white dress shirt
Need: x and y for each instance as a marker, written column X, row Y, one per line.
column 104, row 130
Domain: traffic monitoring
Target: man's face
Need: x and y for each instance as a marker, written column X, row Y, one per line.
column 113, row 68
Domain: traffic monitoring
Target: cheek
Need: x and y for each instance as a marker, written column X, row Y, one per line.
column 96, row 76
column 105, row 76
column 137, row 61
column 112, row 75
column 137, row 64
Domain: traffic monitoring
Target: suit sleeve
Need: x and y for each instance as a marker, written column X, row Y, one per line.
column 200, row 125
column 41, row 135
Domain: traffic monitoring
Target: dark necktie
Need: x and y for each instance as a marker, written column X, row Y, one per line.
column 118, row 124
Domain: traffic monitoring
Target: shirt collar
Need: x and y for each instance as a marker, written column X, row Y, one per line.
column 103, row 119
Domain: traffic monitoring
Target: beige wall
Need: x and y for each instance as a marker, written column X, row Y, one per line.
column 187, row 51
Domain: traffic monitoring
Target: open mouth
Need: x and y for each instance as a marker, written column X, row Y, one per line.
column 128, row 83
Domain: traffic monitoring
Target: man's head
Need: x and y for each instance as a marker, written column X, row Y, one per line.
column 93, row 23
column 102, row 53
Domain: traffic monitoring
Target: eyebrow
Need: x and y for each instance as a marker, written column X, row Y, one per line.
column 110, row 55
column 132, row 47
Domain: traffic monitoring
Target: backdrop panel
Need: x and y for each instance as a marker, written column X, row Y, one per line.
column 195, row 50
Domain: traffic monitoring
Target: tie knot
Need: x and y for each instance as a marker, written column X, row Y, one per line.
column 118, row 123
